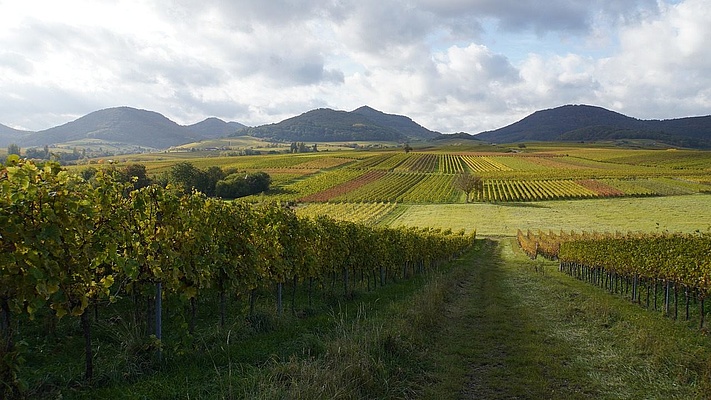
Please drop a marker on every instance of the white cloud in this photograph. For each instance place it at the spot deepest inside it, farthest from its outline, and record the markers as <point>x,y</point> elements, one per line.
<point>451,65</point>
<point>662,69</point>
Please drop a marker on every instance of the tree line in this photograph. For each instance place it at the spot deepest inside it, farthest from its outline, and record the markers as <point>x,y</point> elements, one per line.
<point>185,177</point>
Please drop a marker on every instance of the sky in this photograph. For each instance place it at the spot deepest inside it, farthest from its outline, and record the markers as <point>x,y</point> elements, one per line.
<point>450,65</point>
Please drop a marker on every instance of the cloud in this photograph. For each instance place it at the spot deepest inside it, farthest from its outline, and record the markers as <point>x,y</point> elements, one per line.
<point>451,65</point>
<point>572,16</point>
<point>662,68</point>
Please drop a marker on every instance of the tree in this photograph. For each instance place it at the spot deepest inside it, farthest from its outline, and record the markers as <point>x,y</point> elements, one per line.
<point>242,184</point>
<point>407,148</point>
<point>469,184</point>
<point>12,148</point>
<point>210,177</point>
<point>184,176</point>
<point>135,174</point>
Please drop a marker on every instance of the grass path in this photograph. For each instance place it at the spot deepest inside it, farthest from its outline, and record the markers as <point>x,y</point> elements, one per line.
<point>511,332</point>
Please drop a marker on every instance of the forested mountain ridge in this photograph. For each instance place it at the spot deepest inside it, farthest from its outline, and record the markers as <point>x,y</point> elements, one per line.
<point>325,124</point>
<point>591,123</point>
<point>135,127</point>
<point>125,125</point>
<point>10,135</point>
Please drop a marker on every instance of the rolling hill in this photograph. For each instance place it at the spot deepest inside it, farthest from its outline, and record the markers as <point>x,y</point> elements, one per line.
<point>327,125</point>
<point>148,129</point>
<point>590,123</point>
<point>9,135</point>
<point>128,126</point>
<point>213,128</point>
<point>121,124</point>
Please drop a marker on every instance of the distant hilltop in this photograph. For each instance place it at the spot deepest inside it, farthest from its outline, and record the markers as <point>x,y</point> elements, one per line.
<point>324,124</point>
<point>573,123</point>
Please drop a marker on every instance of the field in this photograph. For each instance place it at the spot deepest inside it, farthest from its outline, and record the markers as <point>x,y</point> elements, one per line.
<point>552,186</point>
<point>649,214</point>
<point>427,176</point>
<point>540,333</point>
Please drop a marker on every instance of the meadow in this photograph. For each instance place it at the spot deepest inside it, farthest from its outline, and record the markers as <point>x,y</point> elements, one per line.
<point>685,213</point>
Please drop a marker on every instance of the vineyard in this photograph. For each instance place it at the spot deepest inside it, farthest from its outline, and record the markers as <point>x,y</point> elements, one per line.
<point>429,178</point>
<point>544,174</point>
<point>654,270</point>
<point>101,283</point>
<point>364,213</point>
<point>95,252</point>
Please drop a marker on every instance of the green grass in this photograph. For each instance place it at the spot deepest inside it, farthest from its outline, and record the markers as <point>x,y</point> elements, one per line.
<point>485,326</point>
<point>649,214</point>
<point>510,331</point>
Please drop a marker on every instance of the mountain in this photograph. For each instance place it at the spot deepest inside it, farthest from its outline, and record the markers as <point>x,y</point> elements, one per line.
<point>591,123</point>
<point>400,123</point>
<point>212,128</point>
<point>458,135</point>
<point>549,125</point>
<point>10,135</point>
<point>120,124</point>
<point>325,124</point>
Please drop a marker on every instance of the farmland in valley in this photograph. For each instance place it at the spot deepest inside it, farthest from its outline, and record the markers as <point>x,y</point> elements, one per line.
<point>541,185</point>
<point>230,271</point>
<point>559,178</point>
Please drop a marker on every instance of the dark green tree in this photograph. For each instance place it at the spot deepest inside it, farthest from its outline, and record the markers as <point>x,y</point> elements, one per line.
<point>12,148</point>
<point>242,184</point>
<point>135,174</point>
<point>185,176</point>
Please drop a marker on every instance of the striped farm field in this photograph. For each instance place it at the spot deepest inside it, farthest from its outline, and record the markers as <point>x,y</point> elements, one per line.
<point>315,183</point>
<point>323,163</point>
<point>364,213</point>
<point>496,190</point>
<point>427,173</point>
<point>629,187</point>
<point>484,164</point>
<point>385,162</point>
<point>389,187</point>
<point>554,163</point>
<point>417,162</point>
<point>668,186</point>
<point>451,164</point>
<point>332,191</point>
<point>600,188</point>
<point>433,189</point>
<point>520,163</point>
<point>284,177</point>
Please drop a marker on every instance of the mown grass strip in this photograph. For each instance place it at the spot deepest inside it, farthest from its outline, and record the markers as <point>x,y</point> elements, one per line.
<point>512,332</point>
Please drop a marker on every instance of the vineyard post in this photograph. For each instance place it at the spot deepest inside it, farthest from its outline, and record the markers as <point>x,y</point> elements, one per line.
<point>666,297</point>
<point>88,361</point>
<point>647,287</point>
<point>280,306</point>
<point>159,319</point>
<point>703,315</point>
<point>676,301</point>
<point>295,281</point>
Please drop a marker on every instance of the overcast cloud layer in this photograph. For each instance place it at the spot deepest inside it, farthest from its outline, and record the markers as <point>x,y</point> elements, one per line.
<point>451,65</point>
